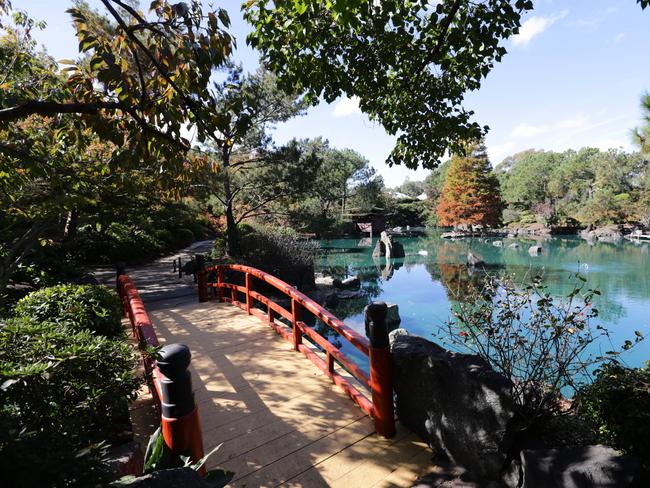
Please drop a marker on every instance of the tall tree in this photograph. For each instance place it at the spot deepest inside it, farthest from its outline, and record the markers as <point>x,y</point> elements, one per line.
<point>250,168</point>
<point>344,179</point>
<point>470,195</point>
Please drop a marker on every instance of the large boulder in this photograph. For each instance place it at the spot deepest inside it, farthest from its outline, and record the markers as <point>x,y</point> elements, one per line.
<point>351,282</point>
<point>455,402</point>
<point>474,259</point>
<point>579,467</point>
<point>388,248</point>
<point>322,280</point>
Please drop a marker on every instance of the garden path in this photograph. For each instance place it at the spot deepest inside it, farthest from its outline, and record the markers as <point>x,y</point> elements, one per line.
<point>159,286</point>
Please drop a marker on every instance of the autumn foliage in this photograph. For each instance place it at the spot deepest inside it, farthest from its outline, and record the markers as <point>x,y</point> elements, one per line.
<point>470,195</point>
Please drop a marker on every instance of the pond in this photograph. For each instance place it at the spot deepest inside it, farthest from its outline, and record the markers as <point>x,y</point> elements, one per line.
<point>433,275</point>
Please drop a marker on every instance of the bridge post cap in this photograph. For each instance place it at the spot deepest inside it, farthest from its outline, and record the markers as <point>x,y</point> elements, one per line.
<point>377,311</point>
<point>173,359</point>
<point>376,329</point>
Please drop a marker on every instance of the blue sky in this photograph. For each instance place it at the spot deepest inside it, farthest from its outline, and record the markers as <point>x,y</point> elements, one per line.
<point>572,78</point>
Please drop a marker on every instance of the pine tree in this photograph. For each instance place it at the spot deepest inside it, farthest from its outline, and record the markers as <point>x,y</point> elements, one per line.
<point>471,194</point>
<point>641,135</point>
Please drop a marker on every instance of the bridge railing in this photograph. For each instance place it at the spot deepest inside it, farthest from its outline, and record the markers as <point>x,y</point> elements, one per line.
<point>379,382</point>
<point>167,375</point>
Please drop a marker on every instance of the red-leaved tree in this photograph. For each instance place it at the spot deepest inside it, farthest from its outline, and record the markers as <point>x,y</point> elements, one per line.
<point>471,194</point>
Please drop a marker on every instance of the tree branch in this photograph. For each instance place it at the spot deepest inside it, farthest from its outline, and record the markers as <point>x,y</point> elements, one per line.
<point>52,108</point>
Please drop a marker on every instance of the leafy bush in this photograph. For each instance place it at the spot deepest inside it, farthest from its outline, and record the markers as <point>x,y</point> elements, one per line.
<point>118,242</point>
<point>219,247</point>
<point>84,307</point>
<point>281,253</point>
<point>183,237</point>
<point>539,342</point>
<point>198,230</point>
<point>165,236</point>
<point>617,403</point>
<point>60,389</point>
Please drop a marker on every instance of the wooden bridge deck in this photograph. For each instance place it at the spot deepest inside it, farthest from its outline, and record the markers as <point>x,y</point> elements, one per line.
<point>281,421</point>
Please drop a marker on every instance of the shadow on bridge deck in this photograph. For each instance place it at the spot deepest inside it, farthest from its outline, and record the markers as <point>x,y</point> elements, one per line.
<point>281,421</point>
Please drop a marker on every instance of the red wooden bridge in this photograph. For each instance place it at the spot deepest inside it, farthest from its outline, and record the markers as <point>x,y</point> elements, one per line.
<point>280,420</point>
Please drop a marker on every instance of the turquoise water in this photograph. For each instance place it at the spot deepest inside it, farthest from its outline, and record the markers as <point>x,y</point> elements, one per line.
<point>426,286</point>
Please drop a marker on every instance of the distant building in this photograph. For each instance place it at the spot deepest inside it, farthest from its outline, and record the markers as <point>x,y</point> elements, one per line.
<point>372,222</point>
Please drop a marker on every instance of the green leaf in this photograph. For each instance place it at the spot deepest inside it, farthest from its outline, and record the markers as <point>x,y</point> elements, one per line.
<point>155,452</point>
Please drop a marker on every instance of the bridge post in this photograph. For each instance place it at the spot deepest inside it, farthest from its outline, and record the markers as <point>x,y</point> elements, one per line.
<point>295,318</point>
<point>120,270</point>
<point>220,279</point>
<point>201,279</point>
<point>248,293</point>
<point>181,428</point>
<point>381,382</point>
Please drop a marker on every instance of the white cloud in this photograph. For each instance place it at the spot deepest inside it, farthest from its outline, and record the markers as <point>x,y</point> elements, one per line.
<point>498,152</point>
<point>534,26</point>
<point>619,37</point>
<point>346,107</point>
<point>526,130</point>
<point>589,24</point>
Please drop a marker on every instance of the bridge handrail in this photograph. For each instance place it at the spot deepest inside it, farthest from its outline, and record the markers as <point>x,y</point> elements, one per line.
<point>356,339</point>
<point>178,412</point>
<point>142,329</point>
<point>380,387</point>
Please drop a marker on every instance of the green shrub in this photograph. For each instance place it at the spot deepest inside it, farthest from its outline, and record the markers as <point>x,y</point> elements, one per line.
<point>60,391</point>
<point>281,253</point>
<point>617,403</point>
<point>89,307</point>
<point>115,243</point>
<point>198,230</point>
<point>539,342</point>
<point>165,236</point>
<point>219,247</point>
<point>183,237</point>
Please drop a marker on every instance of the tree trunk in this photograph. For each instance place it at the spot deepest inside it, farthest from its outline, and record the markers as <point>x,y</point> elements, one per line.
<point>71,222</point>
<point>232,233</point>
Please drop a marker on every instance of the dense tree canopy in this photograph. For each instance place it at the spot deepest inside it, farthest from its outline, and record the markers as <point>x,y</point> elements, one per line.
<point>344,181</point>
<point>585,187</point>
<point>410,63</point>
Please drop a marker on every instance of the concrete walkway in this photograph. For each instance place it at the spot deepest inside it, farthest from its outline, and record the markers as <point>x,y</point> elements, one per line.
<point>158,284</point>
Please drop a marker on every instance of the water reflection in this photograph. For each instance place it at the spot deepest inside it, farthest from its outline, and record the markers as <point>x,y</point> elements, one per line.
<point>433,276</point>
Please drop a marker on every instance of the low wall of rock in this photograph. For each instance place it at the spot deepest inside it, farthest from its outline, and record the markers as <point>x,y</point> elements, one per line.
<point>465,411</point>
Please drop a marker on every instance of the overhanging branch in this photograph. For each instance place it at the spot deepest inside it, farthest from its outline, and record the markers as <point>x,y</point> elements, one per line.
<point>53,108</point>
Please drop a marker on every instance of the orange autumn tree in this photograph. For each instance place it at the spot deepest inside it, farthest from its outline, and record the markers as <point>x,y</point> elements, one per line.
<point>471,194</point>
